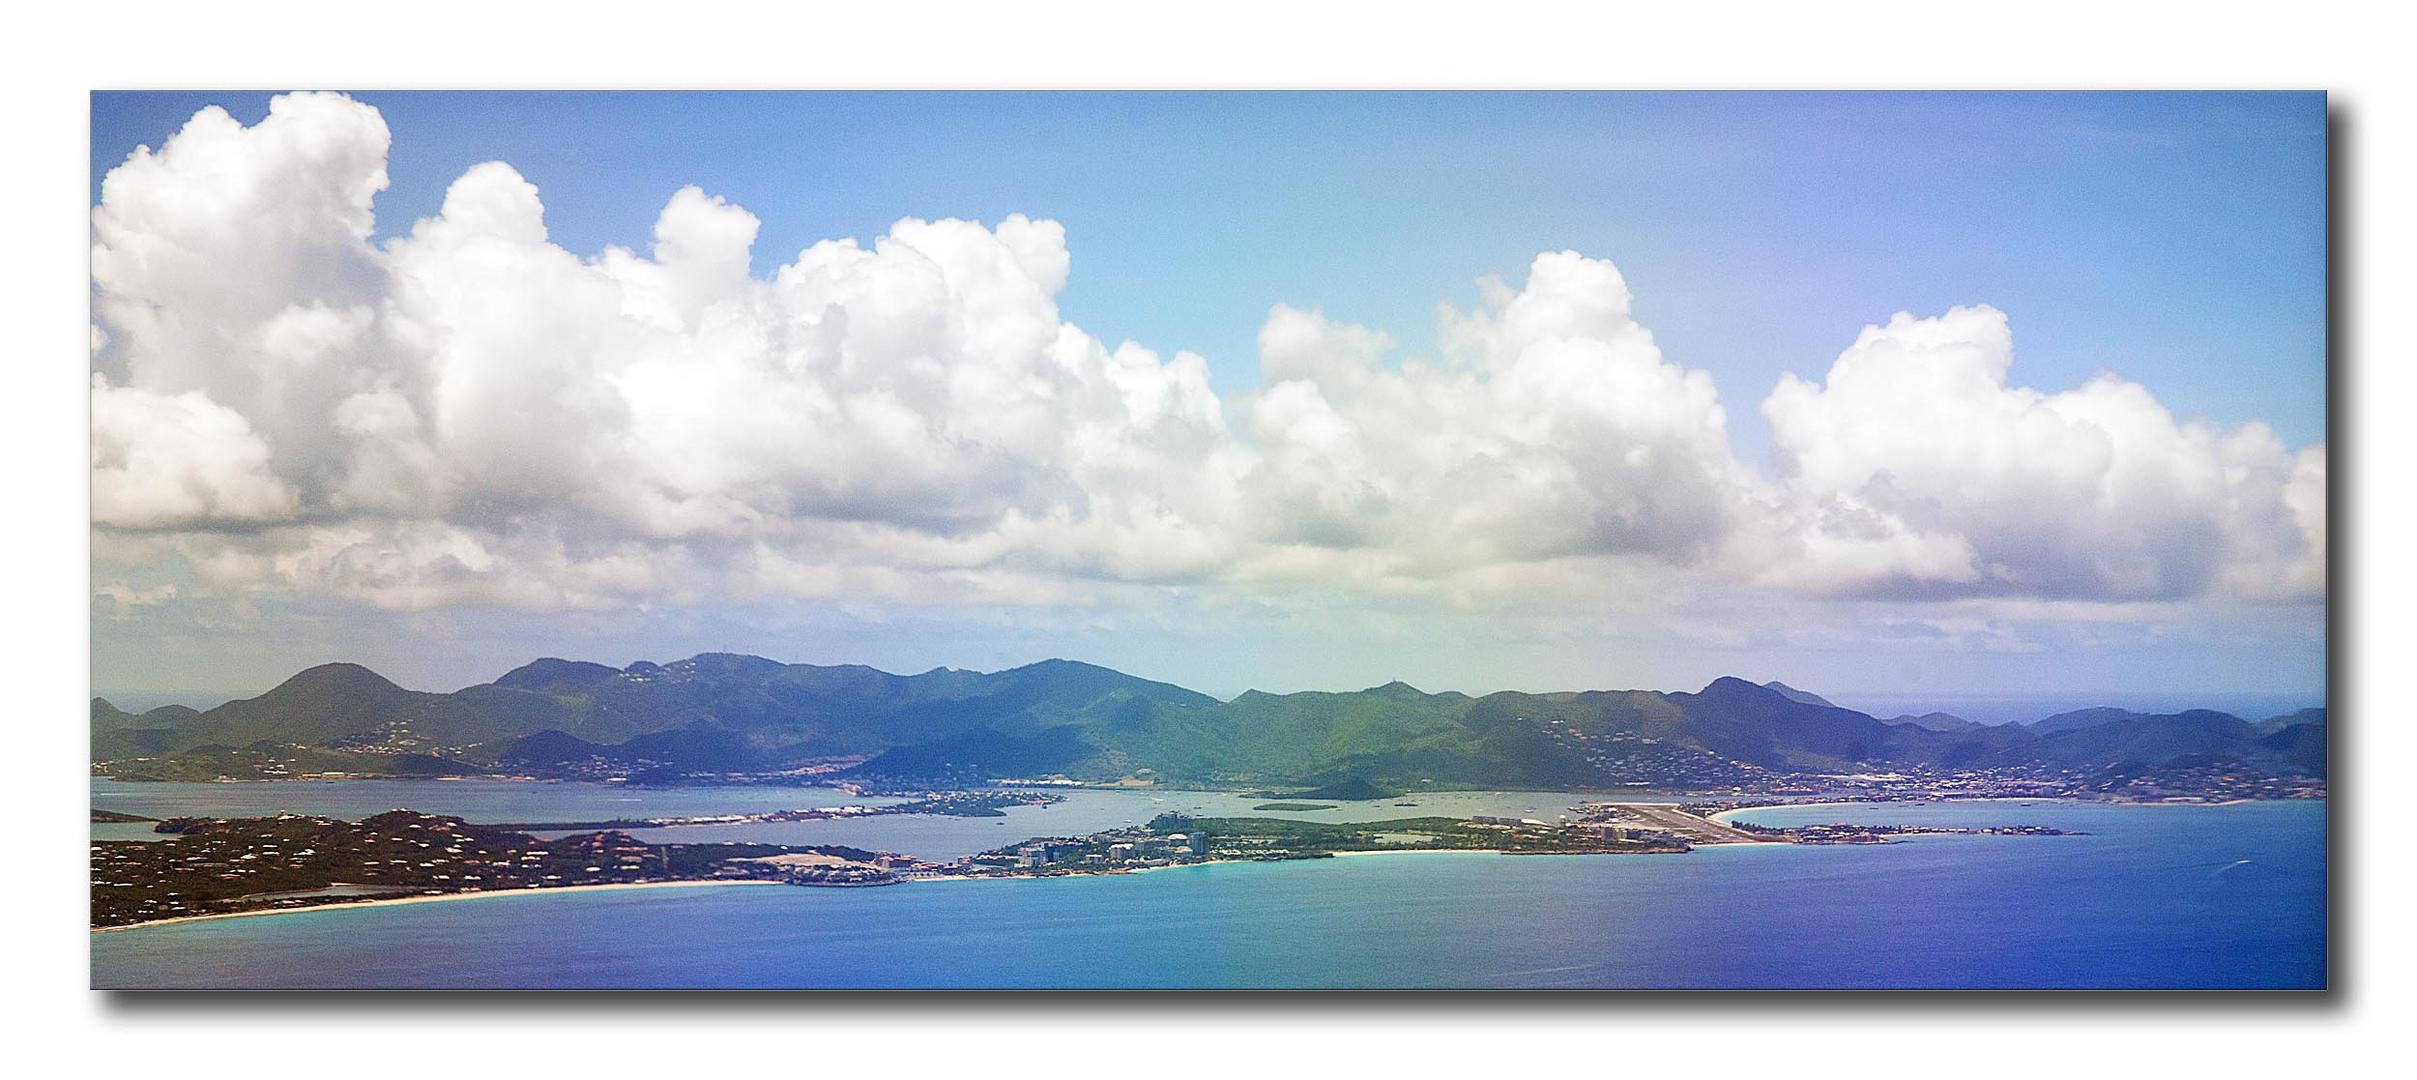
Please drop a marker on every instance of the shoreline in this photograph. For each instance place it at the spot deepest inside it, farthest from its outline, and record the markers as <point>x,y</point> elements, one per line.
<point>1443,851</point>
<point>398,901</point>
<point>1310,859</point>
<point>1722,816</point>
<point>476,894</point>
<point>1210,862</point>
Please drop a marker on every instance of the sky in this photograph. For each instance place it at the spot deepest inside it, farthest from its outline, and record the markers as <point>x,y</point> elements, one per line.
<point>1948,394</point>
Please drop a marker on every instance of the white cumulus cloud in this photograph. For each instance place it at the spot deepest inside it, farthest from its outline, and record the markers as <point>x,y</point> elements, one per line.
<point>1915,469</point>
<point>1552,427</point>
<point>164,460</point>
<point>468,413</point>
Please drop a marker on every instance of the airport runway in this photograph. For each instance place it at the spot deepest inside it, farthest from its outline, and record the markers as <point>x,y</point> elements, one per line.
<point>1688,827</point>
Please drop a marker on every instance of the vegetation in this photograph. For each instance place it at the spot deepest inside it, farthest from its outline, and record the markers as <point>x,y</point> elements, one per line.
<point>1174,840</point>
<point>1404,834</point>
<point>215,866</point>
<point>718,715</point>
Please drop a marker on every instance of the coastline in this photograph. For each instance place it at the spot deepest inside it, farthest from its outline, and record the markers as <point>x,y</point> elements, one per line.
<point>1201,863</point>
<point>1445,851</point>
<point>397,901</point>
<point>477,894</point>
<point>1722,817</point>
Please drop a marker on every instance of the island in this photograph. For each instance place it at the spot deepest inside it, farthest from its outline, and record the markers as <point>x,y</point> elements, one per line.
<point>218,867</point>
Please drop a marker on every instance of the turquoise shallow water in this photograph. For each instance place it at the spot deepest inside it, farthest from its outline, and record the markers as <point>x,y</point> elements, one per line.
<point>2154,897</point>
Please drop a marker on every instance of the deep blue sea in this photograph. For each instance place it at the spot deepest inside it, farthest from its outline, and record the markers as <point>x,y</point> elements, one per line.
<point>2153,897</point>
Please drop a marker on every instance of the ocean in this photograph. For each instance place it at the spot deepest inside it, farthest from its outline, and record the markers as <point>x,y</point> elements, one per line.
<point>2152,897</point>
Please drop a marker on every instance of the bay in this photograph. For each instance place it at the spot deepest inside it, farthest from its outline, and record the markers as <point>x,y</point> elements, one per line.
<point>2151,897</point>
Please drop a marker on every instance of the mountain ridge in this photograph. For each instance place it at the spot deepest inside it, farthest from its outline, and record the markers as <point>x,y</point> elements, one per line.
<point>719,713</point>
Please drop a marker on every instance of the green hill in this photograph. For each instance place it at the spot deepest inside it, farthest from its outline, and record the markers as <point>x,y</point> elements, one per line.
<point>726,713</point>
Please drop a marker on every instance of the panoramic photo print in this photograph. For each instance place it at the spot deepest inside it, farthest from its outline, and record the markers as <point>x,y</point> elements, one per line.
<point>1208,540</point>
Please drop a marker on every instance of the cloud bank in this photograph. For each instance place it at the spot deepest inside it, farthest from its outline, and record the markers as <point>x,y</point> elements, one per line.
<point>468,414</point>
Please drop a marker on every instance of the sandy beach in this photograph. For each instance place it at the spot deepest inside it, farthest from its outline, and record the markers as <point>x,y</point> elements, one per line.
<point>1195,865</point>
<point>1723,816</point>
<point>2169,802</point>
<point>396,901</point>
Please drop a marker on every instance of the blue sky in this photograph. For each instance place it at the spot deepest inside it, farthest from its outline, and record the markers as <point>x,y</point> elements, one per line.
<point>2176,240</point>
